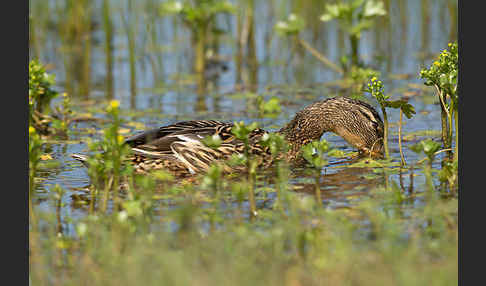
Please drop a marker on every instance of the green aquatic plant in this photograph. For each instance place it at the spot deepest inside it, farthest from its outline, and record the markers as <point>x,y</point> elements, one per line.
<point>270,108</point>
<point>46,119</point>
<point>242,131</point>
<point>106,167</point>
<point>430,148</point>
<point>293,25</point>
<point>358,77</point>
<point>63,115</point>
<point>40,91</point>
<point>314,153</point>
<point>300,244</point>
<point>35,152</point>
<point>278,145</point>
<point>449,173</point>
<point>377,90</point>
<point>442,74</point>
<point>198,16</point>
<point>354,17</point>
<point>41,94</point>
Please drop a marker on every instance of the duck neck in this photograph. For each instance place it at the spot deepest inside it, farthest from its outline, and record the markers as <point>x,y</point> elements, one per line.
<point>307,126</point>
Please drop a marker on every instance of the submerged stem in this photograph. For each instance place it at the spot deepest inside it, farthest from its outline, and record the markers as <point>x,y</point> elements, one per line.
<point>317,187</point>
<point>385,133</point>
<point>444,114</point>
<point>251,182</point>
<point>400,139</point>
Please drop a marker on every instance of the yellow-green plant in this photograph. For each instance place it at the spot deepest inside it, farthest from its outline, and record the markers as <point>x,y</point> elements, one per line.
<point>270,108</point>
<point>107,166</point>
<point>40,96</point>
<point>42,116</point>
<point>377,90</point>
<point>359,76</point>
<point>442,74</point>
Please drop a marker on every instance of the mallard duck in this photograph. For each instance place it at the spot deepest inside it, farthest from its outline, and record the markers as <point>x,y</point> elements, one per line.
<point>179,147</point>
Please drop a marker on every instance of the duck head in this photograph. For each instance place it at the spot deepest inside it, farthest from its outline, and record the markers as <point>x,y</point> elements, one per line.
<point>355,121</point>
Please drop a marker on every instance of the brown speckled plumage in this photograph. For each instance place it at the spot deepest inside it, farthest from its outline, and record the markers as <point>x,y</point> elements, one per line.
<point>355,121</point>
<point>179,149</point>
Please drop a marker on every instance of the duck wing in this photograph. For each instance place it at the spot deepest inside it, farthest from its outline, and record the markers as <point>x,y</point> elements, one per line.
<point>184,141</point>
<point>184,127</point>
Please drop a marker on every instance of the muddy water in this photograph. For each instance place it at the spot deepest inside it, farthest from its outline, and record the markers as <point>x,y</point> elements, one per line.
<point>166,91</point>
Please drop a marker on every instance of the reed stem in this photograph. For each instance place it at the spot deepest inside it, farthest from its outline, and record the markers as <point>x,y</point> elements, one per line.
<point>251,181</point>
<point>317,188</point>
<point>400,139</point>
<point>354,40</point>
<point>320,56</point>
<point>108,27</point>
<point>385,133</point>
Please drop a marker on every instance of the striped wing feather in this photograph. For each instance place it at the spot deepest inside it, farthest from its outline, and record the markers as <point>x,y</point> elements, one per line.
<point>183,142</point>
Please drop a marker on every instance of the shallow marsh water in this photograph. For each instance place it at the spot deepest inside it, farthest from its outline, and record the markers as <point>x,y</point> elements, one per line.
<point>166,92</point>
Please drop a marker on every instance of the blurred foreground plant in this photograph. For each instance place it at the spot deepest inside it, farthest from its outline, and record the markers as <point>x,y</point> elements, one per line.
<point>35,152</point>
<point>106,167</point>
<point>277,146</point>
<point>314,153</point>
<point>41,116</point>
<point>242,132</point>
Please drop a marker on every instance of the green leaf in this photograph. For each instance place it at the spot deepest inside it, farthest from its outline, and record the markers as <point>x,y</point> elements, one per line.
<point>417,148</point>
<point>292,26</point>
<point>171,7</point>
<point>332,11</point>
<point>373,9</point>
<point>406,107</point>
<point>241,131</point>
<point>272,106</point>
<point>213,141</point>
<point>326,17</point>
<point>430,147</point>
<point>362,25</point>
<point>314,151</point>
